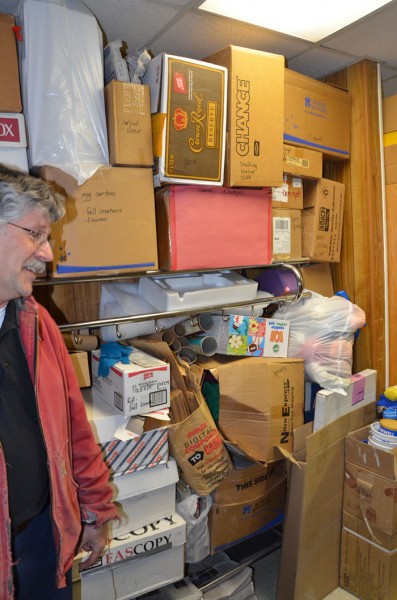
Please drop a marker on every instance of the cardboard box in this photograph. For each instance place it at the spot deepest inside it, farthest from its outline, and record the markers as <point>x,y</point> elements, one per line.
<point>287,234</point>
<point>188,103</point>
<point>370,485</point>
<point>310,553</point>
<point>250,500</point>
<point>13,139</point>
<point>139,387</point>
<point>81,366</point>
<point>202,227</point>
<point>136,562</point>
<point>243,335</point>
<point>103,215</point>
<point>302,162</point>
<point>322,220</point>
<point>255,116</point>
<point>129,124</point>
<point>10,93</point>
<point>122,451</point>
<point>261,401</point>
<point>330,405</point>
<point>390,155</point>
<point>318,278</point>
<point>144,497</point>
<point>289,194</point>
<point>317,115</point>
<point>367,570</point>
<point>390,114</point>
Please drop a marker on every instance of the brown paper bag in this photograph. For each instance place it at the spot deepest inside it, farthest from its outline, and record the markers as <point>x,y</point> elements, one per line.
<point>198,448</point>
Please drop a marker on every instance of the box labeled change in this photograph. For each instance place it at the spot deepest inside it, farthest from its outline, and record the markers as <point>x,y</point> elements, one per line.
<point>139,387</point>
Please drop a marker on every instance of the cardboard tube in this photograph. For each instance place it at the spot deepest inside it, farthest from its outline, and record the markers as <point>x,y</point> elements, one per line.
<point>75,341</point>
<point>203,344</point>
<point>196,324</point>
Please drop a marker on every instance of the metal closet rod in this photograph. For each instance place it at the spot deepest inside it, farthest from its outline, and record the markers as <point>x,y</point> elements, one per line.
<point>287,298</point>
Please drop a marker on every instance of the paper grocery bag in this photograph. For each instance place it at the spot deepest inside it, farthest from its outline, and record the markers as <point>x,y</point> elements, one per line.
<point>198,448</point>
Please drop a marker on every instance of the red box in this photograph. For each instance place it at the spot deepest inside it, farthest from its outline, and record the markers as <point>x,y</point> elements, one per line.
<point>205,227</point>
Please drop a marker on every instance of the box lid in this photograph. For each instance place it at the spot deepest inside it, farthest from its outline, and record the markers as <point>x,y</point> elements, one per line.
<point>146,480</point>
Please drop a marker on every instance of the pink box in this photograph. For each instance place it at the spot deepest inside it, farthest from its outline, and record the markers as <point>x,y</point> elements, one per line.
<point>205,227</point>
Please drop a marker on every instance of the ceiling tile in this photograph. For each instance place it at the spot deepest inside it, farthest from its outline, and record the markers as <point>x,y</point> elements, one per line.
<point>320,62</point>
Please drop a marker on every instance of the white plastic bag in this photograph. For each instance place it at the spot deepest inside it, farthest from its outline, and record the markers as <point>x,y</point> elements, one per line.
<point>62,84</point>
<point>194,509</point>
<point>322,333</point>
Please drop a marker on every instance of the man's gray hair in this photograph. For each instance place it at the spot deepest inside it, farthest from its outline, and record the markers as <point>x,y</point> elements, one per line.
<point>21,193</point>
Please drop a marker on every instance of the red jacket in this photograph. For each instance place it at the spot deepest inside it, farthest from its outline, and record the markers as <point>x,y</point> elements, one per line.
<point>78,476</point>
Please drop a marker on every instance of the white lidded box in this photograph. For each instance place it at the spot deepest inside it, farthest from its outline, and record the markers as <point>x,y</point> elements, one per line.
<point>144,496</point>
<point>137,562</point>
<point>197,290</point>
<point>139,387</point>
<point>123,455</point>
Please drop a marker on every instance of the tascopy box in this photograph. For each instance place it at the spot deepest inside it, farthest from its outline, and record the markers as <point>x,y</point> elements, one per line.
<point>139,387</point>
<point>188,104</point>
<point>213,227</point>
<point>137,562</point>
<point>103,215</point>
<point>255,113</point>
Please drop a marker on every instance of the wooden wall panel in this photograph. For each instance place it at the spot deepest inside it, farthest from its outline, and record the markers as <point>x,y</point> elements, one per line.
<point>391,217</point>
<point>361,270</point>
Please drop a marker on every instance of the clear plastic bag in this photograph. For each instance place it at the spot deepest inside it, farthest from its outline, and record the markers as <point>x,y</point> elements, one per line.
<point>62,84</point>
<point>194,509</point>
<point>322,332</point>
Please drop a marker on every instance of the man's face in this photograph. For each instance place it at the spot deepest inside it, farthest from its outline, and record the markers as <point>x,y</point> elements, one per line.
<point>21,256</point>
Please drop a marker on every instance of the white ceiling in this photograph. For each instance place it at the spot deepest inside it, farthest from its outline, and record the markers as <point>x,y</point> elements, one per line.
<point>178,27</point>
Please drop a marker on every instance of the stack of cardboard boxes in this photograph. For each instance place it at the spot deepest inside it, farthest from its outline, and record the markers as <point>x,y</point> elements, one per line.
<point>123,412</point>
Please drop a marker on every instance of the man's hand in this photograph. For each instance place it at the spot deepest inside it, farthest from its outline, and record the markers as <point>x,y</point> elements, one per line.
<point>93,540</point>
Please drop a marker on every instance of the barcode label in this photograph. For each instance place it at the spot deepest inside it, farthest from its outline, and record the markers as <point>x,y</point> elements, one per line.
<point>281,224</point>
<point>118,401</point>
<point>158,398</point>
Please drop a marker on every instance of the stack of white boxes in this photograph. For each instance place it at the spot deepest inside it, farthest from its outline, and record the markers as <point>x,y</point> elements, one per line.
<point>143,477</point>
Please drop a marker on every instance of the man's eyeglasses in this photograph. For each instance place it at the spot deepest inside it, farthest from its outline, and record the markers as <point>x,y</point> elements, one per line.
<point>39,237</point>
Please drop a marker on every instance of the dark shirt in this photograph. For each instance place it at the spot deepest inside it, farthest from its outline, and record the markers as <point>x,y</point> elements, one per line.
<point>20,433</point>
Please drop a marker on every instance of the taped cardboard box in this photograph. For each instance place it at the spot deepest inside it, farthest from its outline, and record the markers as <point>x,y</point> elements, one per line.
<point>255,114</point>
<point>370,487</point>
<point>102,216</point>
<point>289,194</point>
<point>188,104</point>
<point>287,233</point>
<point>322,220</point>
<point>302,162</point>
<point>261,401</point>
<point>236,231</point>
<point>129,124</point>
<point>10,92</point>
<point>310,553</point>
<point>317,115</point>
<point>81,367</point>
<point>367,570</point>
<point>250,500</point>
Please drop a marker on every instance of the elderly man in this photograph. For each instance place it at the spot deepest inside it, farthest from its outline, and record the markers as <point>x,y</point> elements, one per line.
<point>55,496</point>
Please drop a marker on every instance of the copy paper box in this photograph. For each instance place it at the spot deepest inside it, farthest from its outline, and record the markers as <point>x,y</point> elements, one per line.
<point>287,233</point>
<point>322,220</point>
<point>139,387</point>
<point>137,562</point>
<point>367,570</point>
<point>188,104</point>
<point>310,552</point>
<point>289,194</point>
<point>13,140</point>
<point>129,124</point>
<point>261,401</point>
<point>103,216</point>
<point>317,115</point>
<point>302,162</point>
<point>370,484</point>
<point>249,500</point>
<point>122,454</point>
<point>254,116</point>
<point>236,229</point>
<point>144,496</point>
<point>10,93</point>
